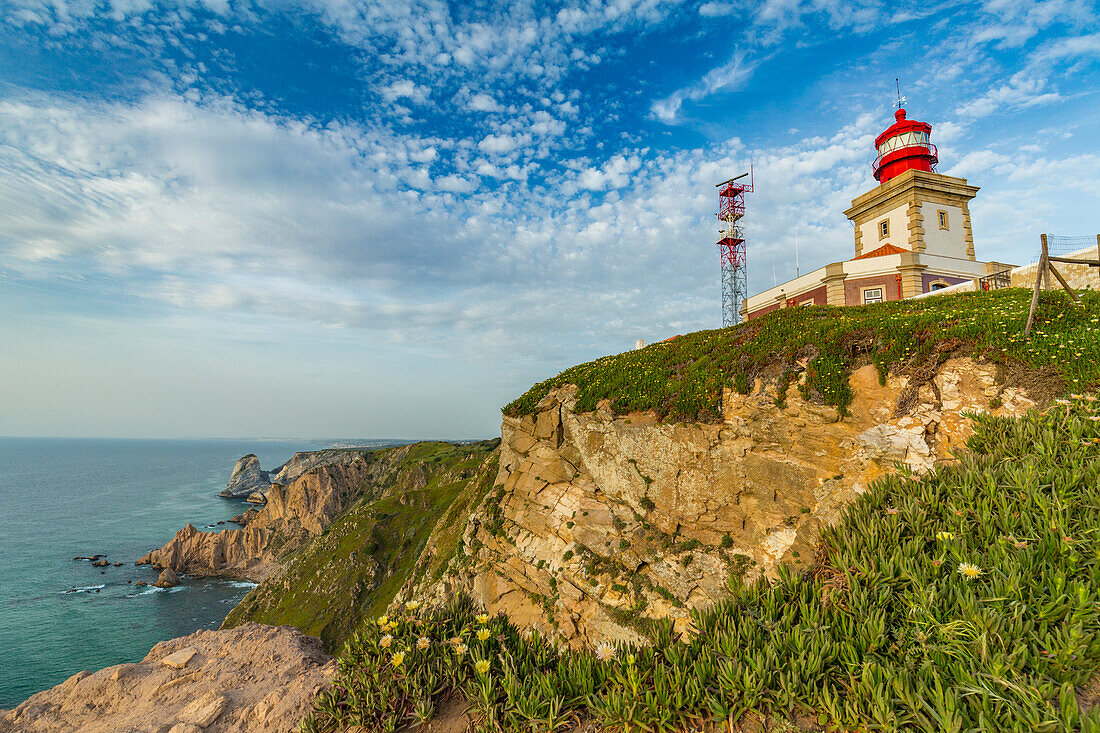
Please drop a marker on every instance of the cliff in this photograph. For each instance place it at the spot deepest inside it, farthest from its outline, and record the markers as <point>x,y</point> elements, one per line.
<point>254,679</point>
<point>602,521</point>
<point>405,524</point>
<point>292,515</point>
<point>247,477</point>
<point>249,480</point>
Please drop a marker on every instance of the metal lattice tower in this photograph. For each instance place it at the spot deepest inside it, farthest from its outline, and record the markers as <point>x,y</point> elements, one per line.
<point>731,245</point>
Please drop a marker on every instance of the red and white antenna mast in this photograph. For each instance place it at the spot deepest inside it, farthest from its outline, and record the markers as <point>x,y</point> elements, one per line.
<point>731,246</point>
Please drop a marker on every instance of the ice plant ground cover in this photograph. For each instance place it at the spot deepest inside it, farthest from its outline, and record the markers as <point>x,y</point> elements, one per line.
<point>967,599</point>
<point>682,379</point>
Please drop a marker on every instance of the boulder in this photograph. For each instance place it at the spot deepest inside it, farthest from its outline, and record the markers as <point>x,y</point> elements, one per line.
<point>167,579</point>
<point>251,679</point>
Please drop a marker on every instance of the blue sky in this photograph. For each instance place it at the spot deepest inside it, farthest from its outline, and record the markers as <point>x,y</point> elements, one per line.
<point>354,218</point>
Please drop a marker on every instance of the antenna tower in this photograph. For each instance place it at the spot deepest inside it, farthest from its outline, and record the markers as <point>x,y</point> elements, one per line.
<point>731,245</point>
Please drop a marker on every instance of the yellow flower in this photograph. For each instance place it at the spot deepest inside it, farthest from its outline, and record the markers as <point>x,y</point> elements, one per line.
<point>412,605</point>
<point>630,659</point>
<point>945,536</point>
<point>483,618</point>
<point>969,570</point>
<point>482,634</point>
<point>383,620</point>
<point>423,642</point>
<point>398,659</point>
<point>482,666</point>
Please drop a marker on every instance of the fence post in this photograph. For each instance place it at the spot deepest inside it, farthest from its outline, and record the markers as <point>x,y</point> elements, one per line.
<point>1038,282</point>
<point>1046,270</point>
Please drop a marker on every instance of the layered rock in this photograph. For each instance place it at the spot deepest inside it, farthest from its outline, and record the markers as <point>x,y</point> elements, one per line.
<point>599,520</point>
<point>247,477</point>
<point>252,679</point>
<point>249,481</point>
<point>404,530</point>
<point>292,514</point>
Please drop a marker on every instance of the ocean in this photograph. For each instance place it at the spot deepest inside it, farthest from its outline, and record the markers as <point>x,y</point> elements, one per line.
<point>60,498</point>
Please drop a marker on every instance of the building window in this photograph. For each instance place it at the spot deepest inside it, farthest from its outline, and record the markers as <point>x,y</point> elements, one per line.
<point>884,229</point>
<point>939,285</point>
<point>809,301</point>
<point>872,295</point>
<point>943,220</point>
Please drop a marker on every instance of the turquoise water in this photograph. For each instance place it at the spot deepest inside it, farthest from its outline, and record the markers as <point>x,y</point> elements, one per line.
<point>120,498</point>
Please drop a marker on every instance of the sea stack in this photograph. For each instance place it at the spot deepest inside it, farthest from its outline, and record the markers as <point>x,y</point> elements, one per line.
<point>247,478</point>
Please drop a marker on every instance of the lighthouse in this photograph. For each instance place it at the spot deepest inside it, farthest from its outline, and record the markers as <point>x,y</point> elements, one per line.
<point>912,232</point>
<point>913,208</point>
<point>905,145</point>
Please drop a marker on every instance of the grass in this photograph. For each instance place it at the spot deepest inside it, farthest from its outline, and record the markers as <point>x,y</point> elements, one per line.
<point>353,570</point>
<point>682,380</point>
<point>887,631</point>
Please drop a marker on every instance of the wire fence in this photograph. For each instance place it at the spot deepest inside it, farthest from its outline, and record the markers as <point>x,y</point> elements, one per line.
<point>1059,245</point>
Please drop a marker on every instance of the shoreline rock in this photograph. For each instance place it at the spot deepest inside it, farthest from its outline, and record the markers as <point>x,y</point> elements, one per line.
<point>291,515</point>
<point>167,579</point>
<point>250,679</point>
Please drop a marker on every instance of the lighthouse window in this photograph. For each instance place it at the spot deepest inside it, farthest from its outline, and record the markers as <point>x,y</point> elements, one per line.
<point>872,295</point>
<point>884,229</point>
<point>943,220</point>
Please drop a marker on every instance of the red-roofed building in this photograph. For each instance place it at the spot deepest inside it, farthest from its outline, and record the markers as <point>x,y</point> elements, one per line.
<point>912,233</point>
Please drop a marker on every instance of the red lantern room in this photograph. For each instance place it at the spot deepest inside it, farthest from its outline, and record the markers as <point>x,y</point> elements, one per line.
<point>904,146</point>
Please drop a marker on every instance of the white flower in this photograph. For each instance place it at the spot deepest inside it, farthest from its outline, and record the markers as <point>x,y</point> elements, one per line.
<point>385,641</point>
<point>423,642</point>
<point>605,652</point>
<point>969,571</point>
<point>412,605</point>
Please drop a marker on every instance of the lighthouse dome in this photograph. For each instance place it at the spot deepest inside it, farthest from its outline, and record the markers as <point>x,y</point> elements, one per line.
<point>905,145</point>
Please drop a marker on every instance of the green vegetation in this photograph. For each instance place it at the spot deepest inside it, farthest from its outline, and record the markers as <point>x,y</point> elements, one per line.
<point>968,599</point>
<point>353,570</point>
<point>682,380</point>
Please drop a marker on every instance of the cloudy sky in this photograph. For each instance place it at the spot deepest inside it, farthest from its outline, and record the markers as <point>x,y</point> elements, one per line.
<point>356,218</point>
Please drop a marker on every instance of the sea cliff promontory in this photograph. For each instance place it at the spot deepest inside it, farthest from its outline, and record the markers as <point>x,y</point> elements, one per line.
<point>824,518</point>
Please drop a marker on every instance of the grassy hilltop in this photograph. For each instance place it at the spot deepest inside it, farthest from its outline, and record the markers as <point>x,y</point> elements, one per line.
<point>967,599</point>
<point>682,379</point>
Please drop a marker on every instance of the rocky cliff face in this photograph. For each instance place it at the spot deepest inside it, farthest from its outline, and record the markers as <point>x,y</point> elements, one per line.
<point>600,520</point>
<point>253,679</point>
<point>247,477</point>
<point>403,528</point>
<point>292,515</point>
<point>249,480</point>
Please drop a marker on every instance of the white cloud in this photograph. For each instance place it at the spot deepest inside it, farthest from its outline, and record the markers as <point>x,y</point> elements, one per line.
<point>729,77</point>
<point>716,9</point>
<point>406,89</point>
<point>483,103</point>
<point>454,184</point>
<point>501,144</point>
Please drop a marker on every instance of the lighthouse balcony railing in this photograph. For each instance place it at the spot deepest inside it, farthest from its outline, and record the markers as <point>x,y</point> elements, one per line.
<point>929,147</point>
